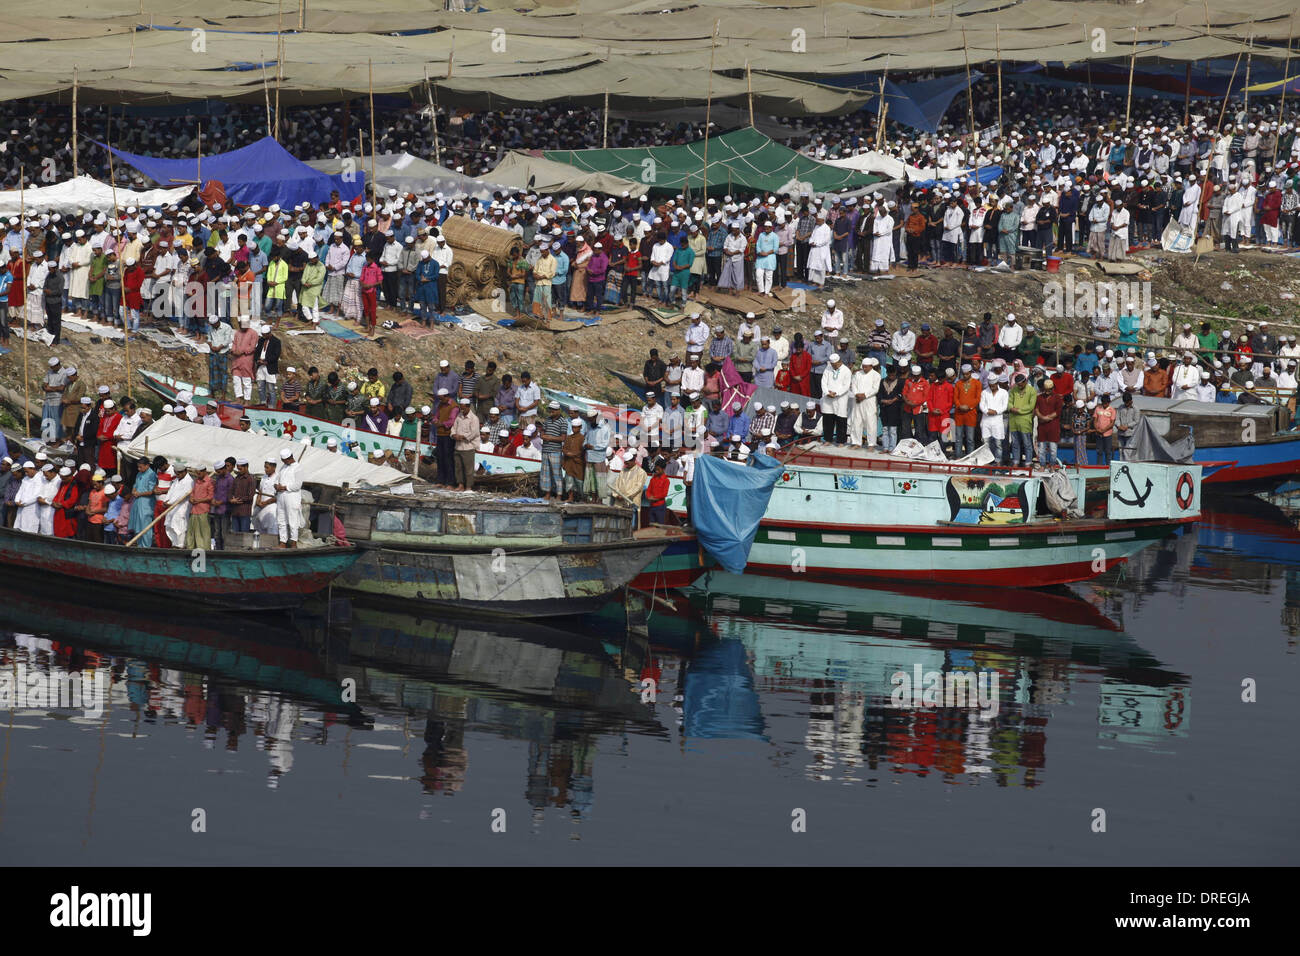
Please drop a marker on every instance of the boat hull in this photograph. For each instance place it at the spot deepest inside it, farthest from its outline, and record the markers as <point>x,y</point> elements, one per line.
<point>983,555</point>
<point>678,567</point>
<point>262,580</point>
<point>1255,467</point>
<point>545,582</point>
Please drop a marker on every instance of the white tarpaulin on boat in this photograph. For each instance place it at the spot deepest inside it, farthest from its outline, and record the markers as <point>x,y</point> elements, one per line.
<point>179,440</point>
<point>83,193</point>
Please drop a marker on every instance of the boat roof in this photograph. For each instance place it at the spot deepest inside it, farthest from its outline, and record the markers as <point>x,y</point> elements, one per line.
<point>471,500</point>
<point>1191,407</point>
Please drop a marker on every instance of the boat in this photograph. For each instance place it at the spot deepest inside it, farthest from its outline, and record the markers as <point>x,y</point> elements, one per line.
<point>682,561</point>
<point>255,579</point>
<point>1244,449</point>
<point>839,513</point>
<point>359,442</point>
<point>481,554</point>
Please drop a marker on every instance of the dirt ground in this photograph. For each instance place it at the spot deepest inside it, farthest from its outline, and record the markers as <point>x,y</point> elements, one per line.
<point>1251,285</point>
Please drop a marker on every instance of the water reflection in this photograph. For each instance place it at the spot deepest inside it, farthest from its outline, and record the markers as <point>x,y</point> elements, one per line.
<point>839,649</point>
<point>795,677</point>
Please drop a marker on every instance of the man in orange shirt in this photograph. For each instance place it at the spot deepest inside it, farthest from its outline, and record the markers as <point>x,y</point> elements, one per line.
<point>916,394</point>
<point>198,534</point>
<point>1103,420</point>
<point>656,497</point>
<point>966,412</point>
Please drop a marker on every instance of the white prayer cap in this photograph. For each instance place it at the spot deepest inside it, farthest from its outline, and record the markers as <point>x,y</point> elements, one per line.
<point>835,356</point>
<point>374,402</point>
<point>64,472</point>
<point>110,489</point>
<point>286,454</point>
<point>916,370</point>
<point>332,443</point>
<point>108,403</point>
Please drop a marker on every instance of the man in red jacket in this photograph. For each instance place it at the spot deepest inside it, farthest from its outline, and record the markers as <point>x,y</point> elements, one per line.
<point>132,280</point>
<point>916,395</point>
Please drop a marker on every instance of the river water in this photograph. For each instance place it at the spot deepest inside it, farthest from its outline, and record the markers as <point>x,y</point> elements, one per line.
<point>753,720</point>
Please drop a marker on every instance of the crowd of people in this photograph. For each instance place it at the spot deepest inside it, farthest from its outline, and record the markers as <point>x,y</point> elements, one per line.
<point>1070,180</point>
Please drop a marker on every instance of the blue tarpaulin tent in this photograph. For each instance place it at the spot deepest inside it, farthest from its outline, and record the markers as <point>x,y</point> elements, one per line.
<point>728,501</point>
<point>920,105</point>
<point>263,173</point>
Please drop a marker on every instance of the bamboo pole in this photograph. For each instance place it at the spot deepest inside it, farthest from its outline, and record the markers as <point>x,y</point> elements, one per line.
<point>1245,90</point>
<point>880,115</point>
<point>266,93</point>
<point>198,161</point>
<point>76,169</point>
<point>1217,128</point>
<point>604,124</point>
<point>373,189</point>
<point>1132,62</point>
<point>997,41</point>
<point>1286,80</point>
<point>433,118</point>
<point>302,13</point>
<point>279,62</point>
<point>126,330</point>
<point>708,105</point>
<point>22,228</point>
<point>970,94</point>
<point>749,83</point>
<point>170,507</point>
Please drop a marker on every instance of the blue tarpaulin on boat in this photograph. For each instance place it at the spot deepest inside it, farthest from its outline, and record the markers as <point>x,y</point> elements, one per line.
<point>728,499</point>
<point>262,172</point>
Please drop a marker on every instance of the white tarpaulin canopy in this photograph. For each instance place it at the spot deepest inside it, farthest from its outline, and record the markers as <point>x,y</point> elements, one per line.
<point>886,165</point>
<point>410,174</point>
<point>179,440</point>
<point>84,193</point>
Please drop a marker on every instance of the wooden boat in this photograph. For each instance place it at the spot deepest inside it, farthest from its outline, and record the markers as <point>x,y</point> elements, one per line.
<point>245,580</point>
<point>296,426</point>
<point>1244,448</point>
<point>682,561</point>
<point>834,515</point>
<point>487,555</point>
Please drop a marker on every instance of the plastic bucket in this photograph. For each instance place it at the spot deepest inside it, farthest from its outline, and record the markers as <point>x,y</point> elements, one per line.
<point>1053,263</point>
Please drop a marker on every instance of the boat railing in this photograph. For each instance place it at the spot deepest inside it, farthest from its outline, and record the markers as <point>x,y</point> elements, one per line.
<point>914,465</point>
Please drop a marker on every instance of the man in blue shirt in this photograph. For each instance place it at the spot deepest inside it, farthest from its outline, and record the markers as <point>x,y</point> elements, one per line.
<point>765,362</point>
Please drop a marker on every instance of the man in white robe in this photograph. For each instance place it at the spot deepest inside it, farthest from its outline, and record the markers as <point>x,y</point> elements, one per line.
<point>837,381</point>
<point>1190,212</point>
<point>882,240</point>
<point>177,521</point>
<point>48,488</point>
<point>288,500</point>
<point>29,514</point>
<point>819,252</point>
<point>264,502</point>
<point>865,417</point>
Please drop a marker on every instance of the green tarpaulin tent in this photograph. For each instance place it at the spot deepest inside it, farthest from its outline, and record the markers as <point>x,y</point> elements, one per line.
<point>741,159</point>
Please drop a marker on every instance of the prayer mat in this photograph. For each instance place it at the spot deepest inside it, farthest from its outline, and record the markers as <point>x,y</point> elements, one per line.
<point>665,316</point>
<point>414,329</point>
<point>340,331</point>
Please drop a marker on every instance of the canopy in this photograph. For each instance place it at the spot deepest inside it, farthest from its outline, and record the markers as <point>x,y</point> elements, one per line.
<point>179,440</point>
<point>745,158</point>
<point>523,171</point>
<point>728,500</point>
<point>263,172</point>
<point>639,54</point>
<point>84,193</point>
<point>410,174</point>
<point>892,168</point>
<point>921,105</point>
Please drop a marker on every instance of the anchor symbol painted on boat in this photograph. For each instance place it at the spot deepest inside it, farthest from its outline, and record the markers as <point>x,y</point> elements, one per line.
<point>1139,499</point>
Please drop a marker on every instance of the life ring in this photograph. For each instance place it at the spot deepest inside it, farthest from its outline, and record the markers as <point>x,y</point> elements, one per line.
<point>1185,492</point>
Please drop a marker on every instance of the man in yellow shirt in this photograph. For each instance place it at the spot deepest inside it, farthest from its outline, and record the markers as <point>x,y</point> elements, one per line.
<point>372,387</point>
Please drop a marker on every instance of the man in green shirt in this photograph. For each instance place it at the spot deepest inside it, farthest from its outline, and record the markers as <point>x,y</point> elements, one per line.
<point>1030,347</point>
<point>1130,324</point>
<point>1020,420</point>
<point>1209,340</point>
<point>742,355</point>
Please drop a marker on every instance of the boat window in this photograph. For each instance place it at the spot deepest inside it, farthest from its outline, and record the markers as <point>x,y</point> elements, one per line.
<point>391,520</point>
<point>505,522</point>
<point>426,521</point>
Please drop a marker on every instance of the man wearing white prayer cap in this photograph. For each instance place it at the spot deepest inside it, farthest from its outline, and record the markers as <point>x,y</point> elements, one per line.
<point>288,499</point>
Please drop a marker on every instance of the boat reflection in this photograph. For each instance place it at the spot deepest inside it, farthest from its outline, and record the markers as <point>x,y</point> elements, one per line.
<point>295,680</point>
<point>839,648</point>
